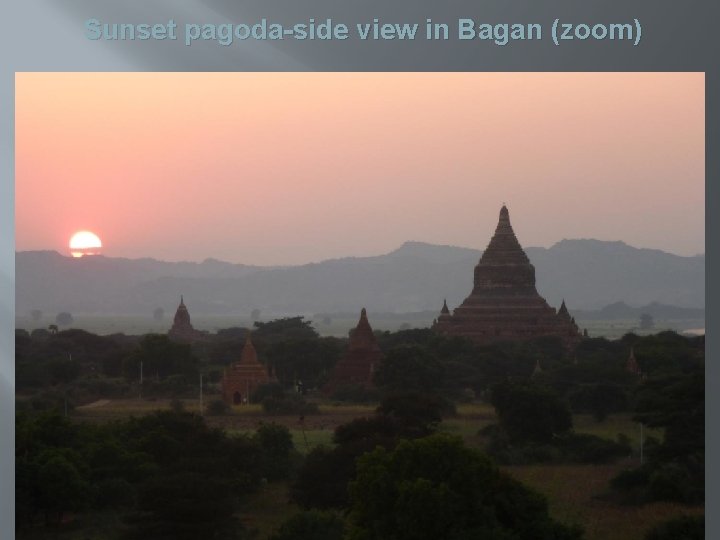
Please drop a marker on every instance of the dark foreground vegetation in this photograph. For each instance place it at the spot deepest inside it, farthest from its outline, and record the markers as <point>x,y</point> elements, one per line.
<point>391,472</point>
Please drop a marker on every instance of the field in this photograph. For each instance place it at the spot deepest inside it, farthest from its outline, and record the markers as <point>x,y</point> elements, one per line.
<point>577,494</point>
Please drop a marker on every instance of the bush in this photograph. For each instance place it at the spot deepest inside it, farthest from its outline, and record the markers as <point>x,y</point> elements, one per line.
<point>674,482</point>
<point>217,407</point>
<point>323,478</point>
<point>177,406</point>
<point>631,479</point>
<point>530,413</point>
<point>311,525</point>
<point>274,390</point>
<point>114,492</point>
<point>355,393</point>
<point>288,404</point>
<point>277,450</point>
<point>679,528</point>
<point>583,448</point>
<point>418,413</point>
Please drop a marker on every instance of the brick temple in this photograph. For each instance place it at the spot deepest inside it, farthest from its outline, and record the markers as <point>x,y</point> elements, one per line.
<point>242,378</point>
<point>363,355</point>
<point>182,330</point>
<point>504,304</point>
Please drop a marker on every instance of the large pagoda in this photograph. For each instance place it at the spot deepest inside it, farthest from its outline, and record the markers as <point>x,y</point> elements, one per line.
<point>504,304</point>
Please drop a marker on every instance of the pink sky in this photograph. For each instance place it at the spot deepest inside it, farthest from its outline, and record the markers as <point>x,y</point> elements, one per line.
<point>288,168</point>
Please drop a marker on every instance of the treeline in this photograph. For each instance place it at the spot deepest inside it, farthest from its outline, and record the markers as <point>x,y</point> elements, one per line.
<point>74,366</point>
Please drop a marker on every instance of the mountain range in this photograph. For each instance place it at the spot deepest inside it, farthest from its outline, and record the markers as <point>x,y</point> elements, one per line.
<point>588,274</point>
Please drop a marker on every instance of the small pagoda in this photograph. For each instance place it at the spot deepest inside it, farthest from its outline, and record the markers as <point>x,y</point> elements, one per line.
<point>363,355</point>
<point>242,378</point>
<point>182,330</point>
<point>504,304</point>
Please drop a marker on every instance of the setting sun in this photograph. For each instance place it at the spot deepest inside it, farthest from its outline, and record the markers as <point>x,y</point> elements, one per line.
<point>85,243</point>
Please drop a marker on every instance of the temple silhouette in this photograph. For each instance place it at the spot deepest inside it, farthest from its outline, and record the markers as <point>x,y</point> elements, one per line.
<point>504,304</point>
<point>182,329</point>
<point>363,355</point>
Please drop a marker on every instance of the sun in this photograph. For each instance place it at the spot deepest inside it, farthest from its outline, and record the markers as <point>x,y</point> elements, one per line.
<point>85,243</point>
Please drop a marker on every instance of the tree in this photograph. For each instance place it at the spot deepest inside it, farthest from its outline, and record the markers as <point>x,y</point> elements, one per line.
<point>285,328</point>
<point>311,525</point>
<point>187,505</point>
<point>530,413</point>
<point>675,469</point>
<point>409,367</point>
<point>217,407</point>
<point>158,314</point>
<point>61,487</point>
<point>161,357</point>
<point>323,478</point>
<point>600,399</point>
<point>418,413</point>
<point>64,318</point>
<point>437,488</point>
<point>277,450</point>
<point>647,322</point>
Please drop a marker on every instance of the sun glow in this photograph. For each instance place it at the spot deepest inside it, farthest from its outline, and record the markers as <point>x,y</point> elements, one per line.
<point>85,243</point>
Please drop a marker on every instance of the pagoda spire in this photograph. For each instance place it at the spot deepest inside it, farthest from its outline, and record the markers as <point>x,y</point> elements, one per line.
<point>632,364</point>
<point>445,310</point>
<point>248,355</point>
<point>537,370</point>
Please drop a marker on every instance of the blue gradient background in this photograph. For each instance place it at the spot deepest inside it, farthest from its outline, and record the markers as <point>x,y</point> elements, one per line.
<point>44,35</point>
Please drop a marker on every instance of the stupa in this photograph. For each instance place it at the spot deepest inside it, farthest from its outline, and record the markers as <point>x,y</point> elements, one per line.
<point>242,378</point>
<point>504,304</point>
<point>363,355</point>
<point>182,330</point>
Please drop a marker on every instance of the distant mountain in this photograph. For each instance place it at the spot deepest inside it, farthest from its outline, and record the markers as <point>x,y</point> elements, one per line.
<point>620,310</point>
<point>588,274</point>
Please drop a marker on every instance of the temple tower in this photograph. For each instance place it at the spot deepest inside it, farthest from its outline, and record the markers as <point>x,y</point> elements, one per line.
<point>242,378</point>
<point>182,330</point>
<point>504,303</point>
<point>359,363</point>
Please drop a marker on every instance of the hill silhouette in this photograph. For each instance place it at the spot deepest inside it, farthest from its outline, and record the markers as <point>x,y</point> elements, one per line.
<point>588,274</point>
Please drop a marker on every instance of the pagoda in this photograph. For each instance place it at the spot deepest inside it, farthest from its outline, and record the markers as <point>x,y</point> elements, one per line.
<point>363,355</point>
<point>182,330</point>
<point>242,378</point>
<point>504,304</point>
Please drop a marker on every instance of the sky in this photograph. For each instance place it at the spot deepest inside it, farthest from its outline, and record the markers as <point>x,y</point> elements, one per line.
<point>290,168</point>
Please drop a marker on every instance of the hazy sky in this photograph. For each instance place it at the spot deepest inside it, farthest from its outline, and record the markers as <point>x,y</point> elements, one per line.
<point>296,167</point>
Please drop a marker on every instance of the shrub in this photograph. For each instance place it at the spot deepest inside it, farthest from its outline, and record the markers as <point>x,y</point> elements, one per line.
<point>311,525</point>
<point>355,393</point>
<point>679,528</point>
<point>288,404</point>
<point>217,407</point>
<point>274,390</point>
<point>583,448</point>
<point>277,450</point>
<point>530,413</point>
